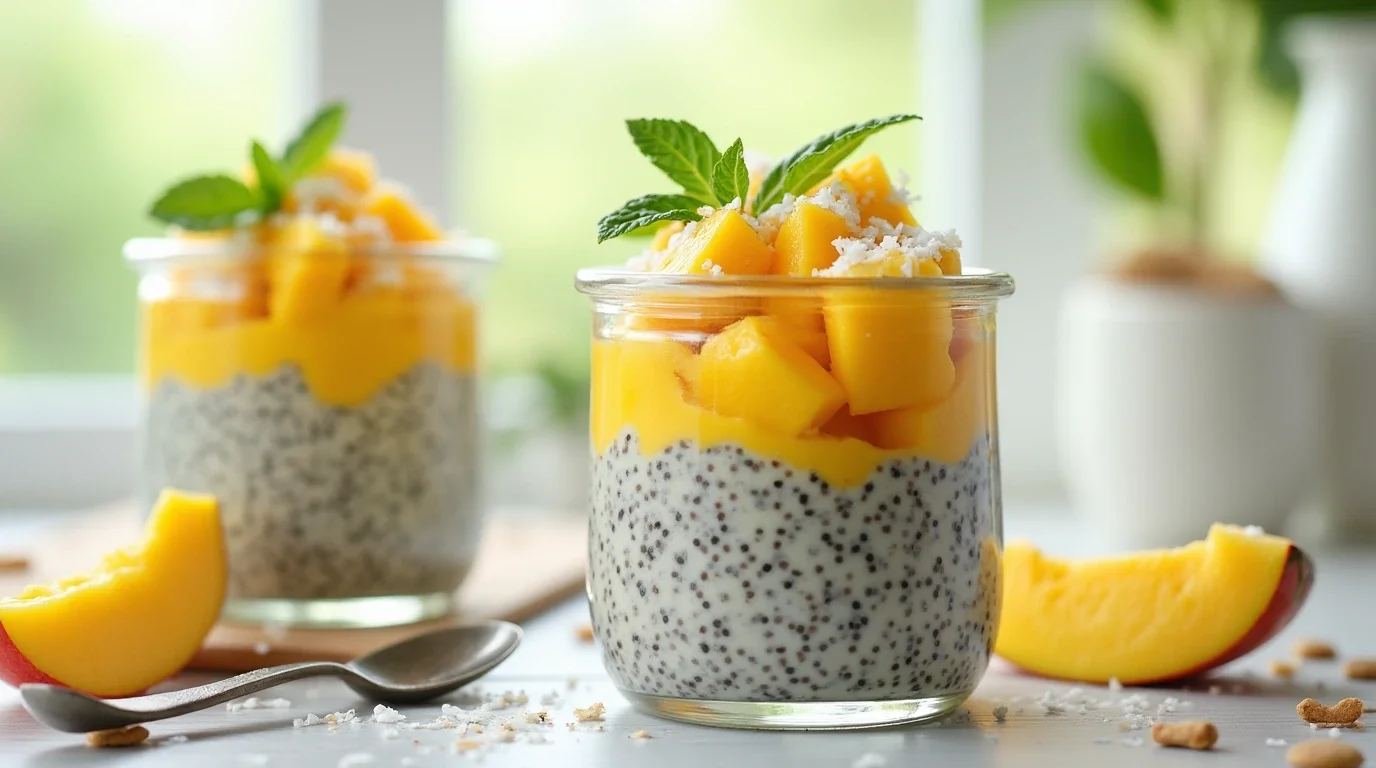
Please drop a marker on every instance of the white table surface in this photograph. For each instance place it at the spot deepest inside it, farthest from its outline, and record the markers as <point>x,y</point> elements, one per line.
<point>1250,709</point>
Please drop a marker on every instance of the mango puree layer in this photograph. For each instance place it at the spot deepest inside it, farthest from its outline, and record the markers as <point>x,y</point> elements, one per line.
<point>646,384</point>
<point>350,344</point>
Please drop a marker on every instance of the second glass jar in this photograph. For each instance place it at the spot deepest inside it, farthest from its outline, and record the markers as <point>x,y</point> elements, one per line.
<point>329,401</point>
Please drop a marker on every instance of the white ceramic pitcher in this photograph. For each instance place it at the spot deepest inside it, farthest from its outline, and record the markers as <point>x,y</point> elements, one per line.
<point>1321,247</point>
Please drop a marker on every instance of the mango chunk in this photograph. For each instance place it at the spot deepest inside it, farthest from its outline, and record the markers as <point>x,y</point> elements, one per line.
<point>724,240</point>
<point>406,221</point>
<point>890,349</point>
<point>869,182</point>
<point>355,170</point>
<point>751,371</point>
<point>800,321</point>
<point>947,430</point>
<point>950,262</point>
<point>307,270</point>
<point>846,424</point>
<point>804,240</point>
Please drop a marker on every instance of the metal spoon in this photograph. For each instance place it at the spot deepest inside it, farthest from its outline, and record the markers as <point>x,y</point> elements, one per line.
<point>417,669</point>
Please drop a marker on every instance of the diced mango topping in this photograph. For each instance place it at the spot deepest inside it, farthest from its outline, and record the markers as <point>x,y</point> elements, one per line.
<point>874,192</point>
<point>804,243</point>
<point>750,370</point>
<point>726,240</point>
<point>890,349</point>
<point>407,222</point>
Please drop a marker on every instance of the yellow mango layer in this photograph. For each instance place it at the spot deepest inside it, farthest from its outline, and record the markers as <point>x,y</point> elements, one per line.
<point>753,370</point>
<point>890,349</point>
<point>650,386</point>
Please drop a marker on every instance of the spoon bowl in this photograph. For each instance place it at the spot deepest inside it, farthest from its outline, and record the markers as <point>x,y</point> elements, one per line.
<point>417,669</point>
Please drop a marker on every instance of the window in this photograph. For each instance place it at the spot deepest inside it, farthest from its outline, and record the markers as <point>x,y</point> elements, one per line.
<point>101,104</point>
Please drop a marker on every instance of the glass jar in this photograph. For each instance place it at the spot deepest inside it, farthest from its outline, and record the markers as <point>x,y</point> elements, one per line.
<point>329,398</point>
<point>796,516</point>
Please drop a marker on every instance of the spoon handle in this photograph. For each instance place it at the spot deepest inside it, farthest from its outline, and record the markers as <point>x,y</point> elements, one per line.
<point>173,703</point>
<point>75,712</point>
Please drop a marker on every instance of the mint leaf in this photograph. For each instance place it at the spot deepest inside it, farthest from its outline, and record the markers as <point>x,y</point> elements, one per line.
<point>682,151</point>
<point>810,164</point>
<point>310,147</point>
<point>271,186</point>
<point>1117,133</point>
<point>205,203</point>
<point>730,177</point>
<point>646,210</point>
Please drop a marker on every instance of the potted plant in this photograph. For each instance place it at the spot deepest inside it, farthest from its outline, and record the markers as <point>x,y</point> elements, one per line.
<point>1189,384</point>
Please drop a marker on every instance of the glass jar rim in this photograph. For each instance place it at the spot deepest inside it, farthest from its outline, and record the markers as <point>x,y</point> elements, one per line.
<point>141,251</point>
<point>976,284</point>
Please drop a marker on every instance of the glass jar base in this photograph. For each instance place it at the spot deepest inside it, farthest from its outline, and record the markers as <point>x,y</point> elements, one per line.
<point>798,715</point>
<point>346,613</point>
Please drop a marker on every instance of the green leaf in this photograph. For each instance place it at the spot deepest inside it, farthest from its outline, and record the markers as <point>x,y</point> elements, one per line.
<point>310,147</point>
<point>271,186</point>
<point>1117,133</point>
<point>646,210</point>
<point>1163,10</point>
<point>205,203</point>
<point>803,169</point>
<point>682,151</point>
<point>730,177</point>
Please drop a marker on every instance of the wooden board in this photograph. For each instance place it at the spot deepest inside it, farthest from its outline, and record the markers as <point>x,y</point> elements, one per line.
<point>524,566</point>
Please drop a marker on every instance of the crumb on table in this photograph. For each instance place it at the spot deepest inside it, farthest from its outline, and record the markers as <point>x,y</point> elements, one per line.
<point>117,737</point>
<point>584,633</point>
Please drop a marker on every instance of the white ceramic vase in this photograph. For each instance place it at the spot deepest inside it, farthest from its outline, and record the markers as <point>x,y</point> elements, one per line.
<point>1321,247</point>
<point>1179,407</point>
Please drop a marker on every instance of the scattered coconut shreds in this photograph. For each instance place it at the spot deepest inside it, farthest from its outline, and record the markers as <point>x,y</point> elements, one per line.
<point>467,745</point>
<point>1276,742</point>
<point>334,719</point>
<point>177,739</point>
<point>386,715</point>
<point>254,702</point>
<point>590,714</point>
<point>1334,733</point>
<point>1132,741</point>
<point>506,736</point>
<point>1114,685</point>
<point>1000,713</point>
<point>356,758</point>
<point>538,718</point>
<point>870,760</point>
<point>641,734</point>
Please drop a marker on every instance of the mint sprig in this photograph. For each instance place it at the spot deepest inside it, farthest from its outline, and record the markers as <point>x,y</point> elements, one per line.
<point>730,177</point>
<point>219,201</point>
<point>644,211</point>
<point>682,151</point>
<point>813,162</point>
<point>310,146</point>
<point>206,203</point>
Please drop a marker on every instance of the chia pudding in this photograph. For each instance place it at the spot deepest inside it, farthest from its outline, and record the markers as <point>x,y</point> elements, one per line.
<point>719,574</point>
<point>322,501</point>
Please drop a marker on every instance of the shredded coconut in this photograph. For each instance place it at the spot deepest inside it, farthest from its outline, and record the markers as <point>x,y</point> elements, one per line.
<point>642,735</point>
<point>1254,530</point>
<point>1114,685</point>
<point>386,715</point>
<point>898,191</point>
<point>1276,742</point>
<point>355,758</point>
<point>1132,741</point>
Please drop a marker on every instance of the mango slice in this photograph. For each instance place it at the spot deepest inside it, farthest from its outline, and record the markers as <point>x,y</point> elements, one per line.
<point>406,221</point>
<point>131,622</point>
<point>804,242</point>
<point>890,349</point>
<point>1150,616</point>
<point>308,270</point>
<point>356,170</point>
<point>869,182</point>
<point>950,262</point>
<point>751,370</point>
<point>723,239</point>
